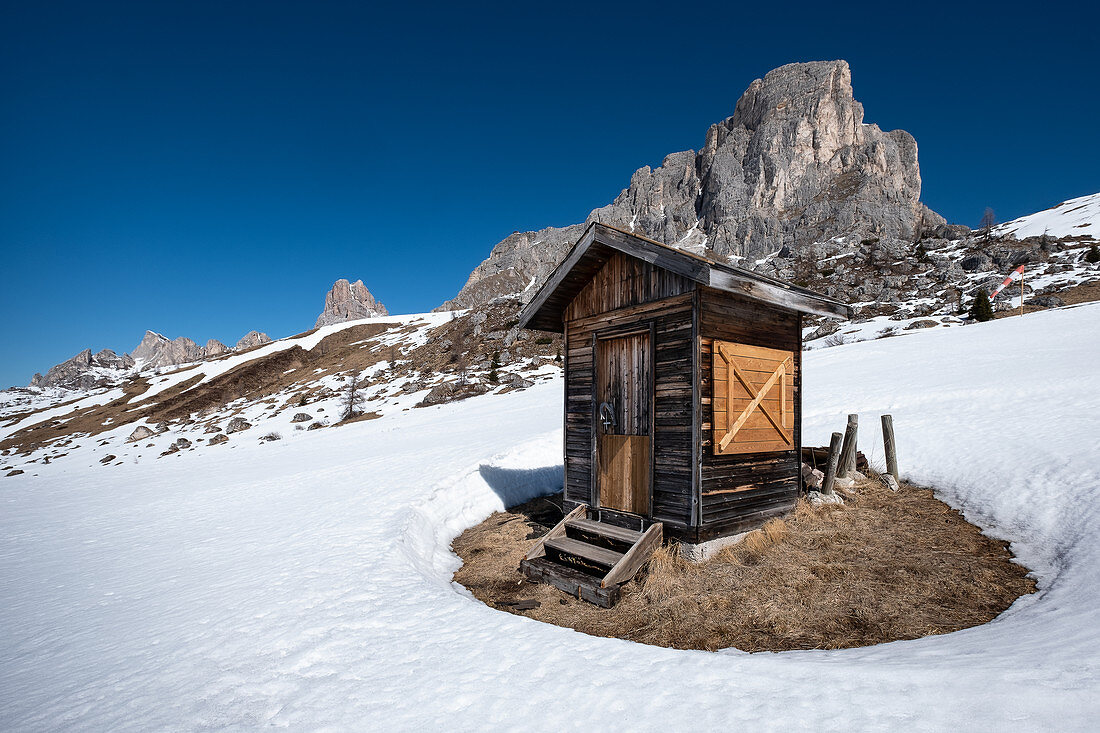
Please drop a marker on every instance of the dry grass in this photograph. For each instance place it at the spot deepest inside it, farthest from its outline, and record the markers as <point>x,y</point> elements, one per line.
<point>885,566</point>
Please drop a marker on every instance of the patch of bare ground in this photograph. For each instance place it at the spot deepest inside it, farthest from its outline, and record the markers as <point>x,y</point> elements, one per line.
<point>1086,293</point>
<point>884,566</point>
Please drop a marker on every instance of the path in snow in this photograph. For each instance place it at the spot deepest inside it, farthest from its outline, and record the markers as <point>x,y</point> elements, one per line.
<point>306,584</point>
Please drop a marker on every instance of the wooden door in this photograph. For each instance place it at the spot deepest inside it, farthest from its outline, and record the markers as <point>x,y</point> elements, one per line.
<point>624,404</point>
<point>753,399</point>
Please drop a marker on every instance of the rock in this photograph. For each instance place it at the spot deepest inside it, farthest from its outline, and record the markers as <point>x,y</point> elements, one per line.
<point>215,348</point>
<point>15,472</point>
<point>158,351</point>
<point>236,425</point>
<point>827,328</point>
<point>890,482</point>
<point>219,439</point>
<point>301,417</point>
<point>976,261</point>
<point>349,302</point>
<point>845,483</point>
<point>315,426</point>
<point>141,432</point>
<point>1046,301</point>
<point>251,340</point>
<point>796,142</point>
<point>162,427</point>
<point>85,370</point>
<point>518,382</point>
<point>182,443</point>
<point>107,459</point>
<point>818,499</point>
<point>926,323</point>
<point>451,392</point>
<point>811,477</point>
<point>212,429</point>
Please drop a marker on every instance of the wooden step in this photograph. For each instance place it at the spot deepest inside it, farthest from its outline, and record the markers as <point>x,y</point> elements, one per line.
<point>598,555</point>
<point>585,570</point>
<point>610,531</point>
<point>574,582</point>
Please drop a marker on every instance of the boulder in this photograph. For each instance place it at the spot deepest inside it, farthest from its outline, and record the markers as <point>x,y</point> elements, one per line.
<point>141,432</point>
<point>182,443</point>
<point>451,392</point>
<point>219,439</point>
<point>236,425</point>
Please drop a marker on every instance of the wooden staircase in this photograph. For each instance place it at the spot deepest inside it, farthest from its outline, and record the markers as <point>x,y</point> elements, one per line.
<point>590,559</point>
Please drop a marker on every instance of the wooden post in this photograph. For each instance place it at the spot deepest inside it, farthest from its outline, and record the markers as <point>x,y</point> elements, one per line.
<point>831,464</point>
<point>891,448</point>
<point>848,452</point>
<point>1021,296</point>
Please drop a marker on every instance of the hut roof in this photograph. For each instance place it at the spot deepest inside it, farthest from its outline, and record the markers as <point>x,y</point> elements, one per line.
<point>600,241</point>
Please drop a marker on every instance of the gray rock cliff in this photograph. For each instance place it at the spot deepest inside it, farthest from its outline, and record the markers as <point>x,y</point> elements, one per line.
<point>252,339</point>
<point>84,371</point>
<point>159,351</point>
<point>349,301</point>
<point>793,165</point>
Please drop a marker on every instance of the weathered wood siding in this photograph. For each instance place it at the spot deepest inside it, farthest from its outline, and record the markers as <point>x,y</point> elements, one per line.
<point>739,492</point>
<point>627,296</point>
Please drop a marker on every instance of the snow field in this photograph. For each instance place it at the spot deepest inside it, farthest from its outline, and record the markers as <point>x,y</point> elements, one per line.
<point>306,584</point>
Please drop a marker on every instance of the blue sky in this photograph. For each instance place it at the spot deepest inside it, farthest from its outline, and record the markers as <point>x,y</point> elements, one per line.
<point>202,169</point>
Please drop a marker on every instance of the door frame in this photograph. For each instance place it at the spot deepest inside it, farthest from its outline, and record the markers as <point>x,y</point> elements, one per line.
<point>648,327</point>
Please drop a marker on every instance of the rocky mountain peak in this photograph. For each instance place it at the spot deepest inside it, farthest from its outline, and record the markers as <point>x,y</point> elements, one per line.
<point>156,350</point>
<point>83,371</point>
<point>793,165</point>
<point>214,348</point>
<point>349,301</point>
<point>252,339</point>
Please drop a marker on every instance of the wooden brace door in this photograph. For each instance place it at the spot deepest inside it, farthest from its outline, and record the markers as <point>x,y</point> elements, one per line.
<point>624,404</point>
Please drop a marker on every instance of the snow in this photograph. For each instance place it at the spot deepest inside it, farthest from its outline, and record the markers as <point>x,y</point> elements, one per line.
<point>306,584</point>
<point>1076,217</point>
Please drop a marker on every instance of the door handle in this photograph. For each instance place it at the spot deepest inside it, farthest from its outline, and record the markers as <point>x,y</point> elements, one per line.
<point>607,415</point>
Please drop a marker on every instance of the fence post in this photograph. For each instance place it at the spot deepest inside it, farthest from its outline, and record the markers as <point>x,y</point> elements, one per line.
<point>831,464</point>
<point>848,451</point>
<point>891,448</point>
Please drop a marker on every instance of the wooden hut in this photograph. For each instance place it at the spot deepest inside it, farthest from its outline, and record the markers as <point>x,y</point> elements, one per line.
<point>682,402</point>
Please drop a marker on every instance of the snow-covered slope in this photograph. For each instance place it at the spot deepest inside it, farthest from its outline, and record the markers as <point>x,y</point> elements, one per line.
<point>306,584</point>
<point>1074,218</point>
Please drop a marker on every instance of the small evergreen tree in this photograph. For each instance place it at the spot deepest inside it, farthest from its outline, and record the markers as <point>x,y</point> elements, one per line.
<point>494,364</point>
<point>1093,255</point>
<point>982,309</point>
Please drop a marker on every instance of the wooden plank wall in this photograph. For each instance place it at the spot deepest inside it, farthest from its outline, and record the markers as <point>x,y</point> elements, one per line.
<point>739,492</point>
<point>624,281</point>
<point>626,296</point>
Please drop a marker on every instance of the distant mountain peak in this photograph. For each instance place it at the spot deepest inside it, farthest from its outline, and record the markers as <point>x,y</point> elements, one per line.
<point>349,301</point>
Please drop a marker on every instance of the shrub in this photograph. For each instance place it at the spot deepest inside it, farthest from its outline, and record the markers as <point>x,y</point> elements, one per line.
<point>494,365</point>
<point>1093,255</point>
<point>981,310</point>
